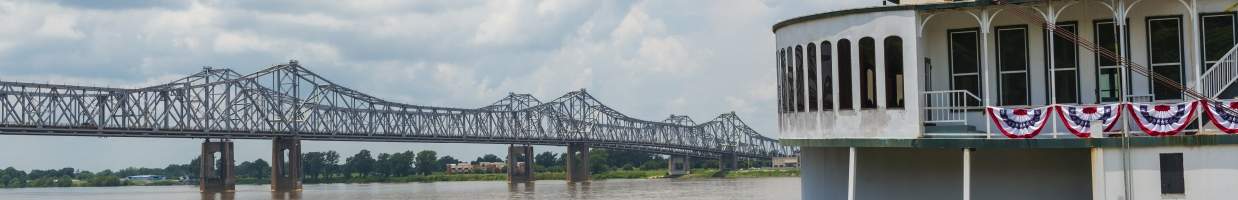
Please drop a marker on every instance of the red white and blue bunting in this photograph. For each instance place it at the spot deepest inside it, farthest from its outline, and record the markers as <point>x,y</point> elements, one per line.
<point>1163,120</point>
<point>1019,122</point>
<point>1078,118</point>
<point>1221,113</point>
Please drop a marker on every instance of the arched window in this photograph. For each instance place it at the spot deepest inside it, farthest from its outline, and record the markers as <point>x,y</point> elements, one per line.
<point>868,73</point>
<point>782,86</point>
<point>813,99</point>
<point>827,81</point>
<point>789,79</point>
<point>844,74</point>
<point>894,72</point>
<point>799,78</point>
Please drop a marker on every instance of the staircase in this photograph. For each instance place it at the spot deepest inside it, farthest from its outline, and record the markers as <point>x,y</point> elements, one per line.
<point>1221,75</point>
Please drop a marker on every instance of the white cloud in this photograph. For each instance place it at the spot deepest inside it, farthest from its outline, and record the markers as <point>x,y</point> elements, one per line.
<point>646,58</point>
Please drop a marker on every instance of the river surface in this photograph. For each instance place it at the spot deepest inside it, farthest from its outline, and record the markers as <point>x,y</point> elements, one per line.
<point>745,188</point>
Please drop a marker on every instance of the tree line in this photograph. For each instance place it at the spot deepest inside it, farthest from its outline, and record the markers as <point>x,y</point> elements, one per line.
<point>330,165</point>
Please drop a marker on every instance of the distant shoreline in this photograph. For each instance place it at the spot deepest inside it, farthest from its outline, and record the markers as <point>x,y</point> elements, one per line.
<point>438,177</point>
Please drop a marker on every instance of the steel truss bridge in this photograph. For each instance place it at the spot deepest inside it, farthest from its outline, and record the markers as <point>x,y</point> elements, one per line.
<point>287,100</point>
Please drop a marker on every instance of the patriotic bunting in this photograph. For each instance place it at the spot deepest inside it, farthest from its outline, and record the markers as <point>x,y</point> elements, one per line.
<point>1078,118</point>
<point>1163,120</point>
<point>1019,123</point>
<point>1221,113</point>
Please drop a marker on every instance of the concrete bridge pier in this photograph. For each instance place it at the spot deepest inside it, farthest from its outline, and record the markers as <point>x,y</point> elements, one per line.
<point>210,178</point>
<point>577,162</point>
<point>678,165</point>
<point>520,164</point>
<point>285,164</point>
<point>729,161</point>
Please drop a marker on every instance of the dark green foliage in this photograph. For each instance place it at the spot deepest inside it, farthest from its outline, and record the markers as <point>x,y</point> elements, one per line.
<point>488,158</point>
<point>258,169</point>
<point>427,162</point>
<point>361,163</point>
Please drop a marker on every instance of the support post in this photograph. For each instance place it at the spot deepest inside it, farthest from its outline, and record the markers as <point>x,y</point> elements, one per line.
<point>210,179</point>
<point>728,162</point>
<point>851,173</point>
<point>678,166</point>
<point>966,174</point>
<point>577,162</point>
<point>285,164</point>
<point>520,164</point>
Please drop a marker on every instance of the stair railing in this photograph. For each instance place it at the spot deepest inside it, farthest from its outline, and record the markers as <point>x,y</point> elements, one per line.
<point>1222,74</point>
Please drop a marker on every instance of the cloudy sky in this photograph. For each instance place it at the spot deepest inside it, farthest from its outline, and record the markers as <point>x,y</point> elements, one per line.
<point>648,59</point>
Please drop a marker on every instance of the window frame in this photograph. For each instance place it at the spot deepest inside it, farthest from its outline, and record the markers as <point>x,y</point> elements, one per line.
<point>1056,69</point>
<point>1173,182</point>
<point>997,49</point>
<point>865,83</point>
<point>812,71</point>
<point>1096,59</point>
<point>1203,44</point>
<point>1152,67</point>
<point>825,49</point>
<point>950,65</point>
<point>846,93</point>
<point>893,88</point>
<point>781,84</point>
<point>798,59</point>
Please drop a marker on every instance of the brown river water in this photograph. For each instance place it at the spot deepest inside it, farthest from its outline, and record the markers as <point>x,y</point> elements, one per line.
<point>744,188</point>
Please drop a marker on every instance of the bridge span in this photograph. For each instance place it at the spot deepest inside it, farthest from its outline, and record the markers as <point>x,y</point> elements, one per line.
<point>287,103</point>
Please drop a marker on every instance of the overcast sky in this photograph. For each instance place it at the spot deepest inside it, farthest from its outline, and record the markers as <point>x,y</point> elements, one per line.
<point>648,59</point>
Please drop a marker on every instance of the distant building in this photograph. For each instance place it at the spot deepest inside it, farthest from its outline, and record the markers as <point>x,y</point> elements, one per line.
<point>787,162</point>
<point>145,178</point>
<point>482,167</point>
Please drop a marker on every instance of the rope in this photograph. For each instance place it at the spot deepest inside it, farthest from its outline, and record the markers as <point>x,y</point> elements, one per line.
<point>1072,37</point>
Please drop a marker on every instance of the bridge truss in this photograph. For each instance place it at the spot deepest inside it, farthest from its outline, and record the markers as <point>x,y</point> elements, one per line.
<point>287,100</point>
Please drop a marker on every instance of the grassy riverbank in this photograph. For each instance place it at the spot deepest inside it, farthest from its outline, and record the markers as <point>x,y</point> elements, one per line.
<point>617,174</point>
<point>440,177</point>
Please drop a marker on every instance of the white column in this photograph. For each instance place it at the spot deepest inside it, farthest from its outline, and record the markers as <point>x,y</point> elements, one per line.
<point>857,92</point>
<point>1198,56</point>
<point>879,71</point>
<point>851,174</point>
<point>1052,72</point>
<point>834,77</point>
<point>984,68</point>
<point>1052,31</point>
<point>966,174</point>
<point>1098,174</point>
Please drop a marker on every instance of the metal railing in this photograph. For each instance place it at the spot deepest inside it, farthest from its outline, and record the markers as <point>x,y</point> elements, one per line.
<point>949,106</point>
<point>1222,73</point>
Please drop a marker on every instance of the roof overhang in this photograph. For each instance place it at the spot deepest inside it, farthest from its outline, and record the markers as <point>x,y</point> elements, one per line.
<point>931,6</point>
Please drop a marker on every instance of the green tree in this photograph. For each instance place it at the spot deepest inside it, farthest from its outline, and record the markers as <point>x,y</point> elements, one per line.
<point>597,161</point>
<point>427,162</point>
<point>384,166</point>
<point>447,160</point>
<point>488,158</point>
<point>332,161</point>
<point>314,164</point>
<point>107,180</point>
<point>546,159</point>
<point>64,181</point>
<point>258,169</point>
<point>361,163</point>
